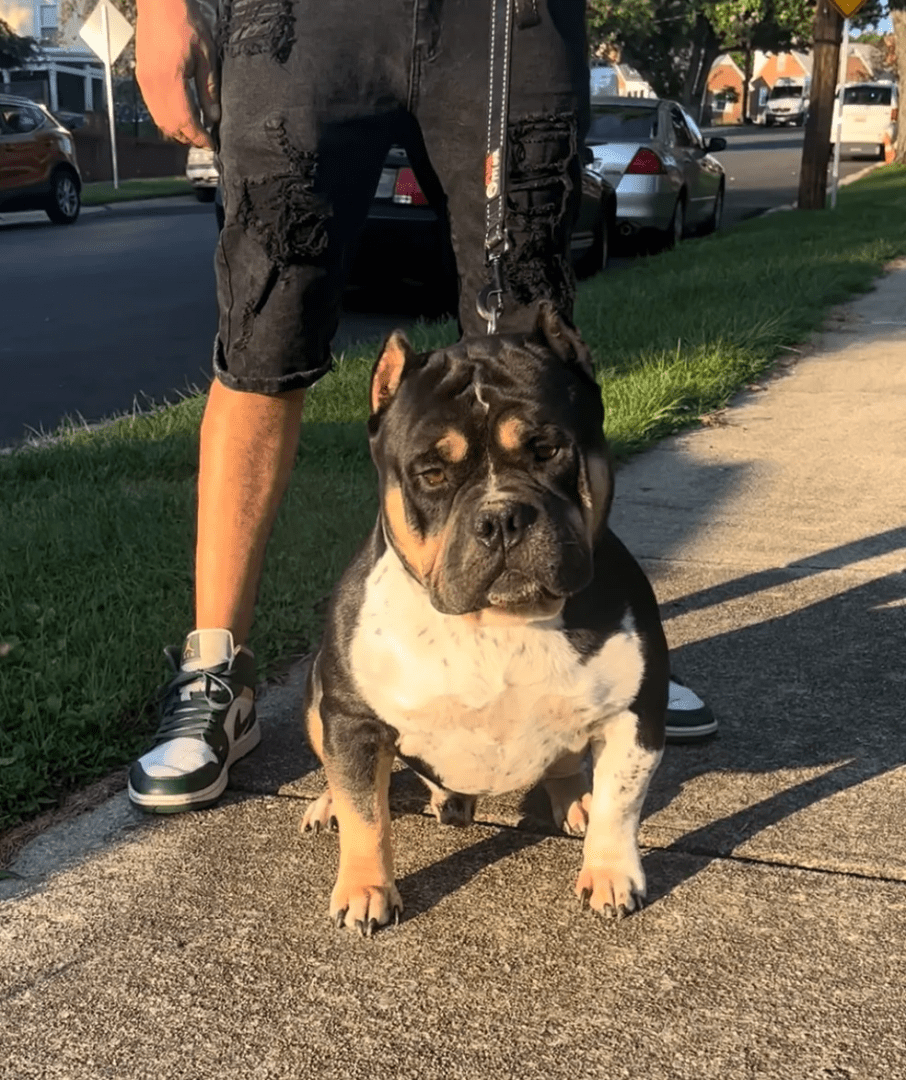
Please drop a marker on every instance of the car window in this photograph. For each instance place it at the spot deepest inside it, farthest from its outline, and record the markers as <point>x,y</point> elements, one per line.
<point>681,134</point>
<point>697,136</point>
<point>18,120</point>
<point>622,123</point>
<point>867,95</point>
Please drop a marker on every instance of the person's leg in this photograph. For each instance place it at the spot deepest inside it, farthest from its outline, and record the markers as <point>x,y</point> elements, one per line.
<point>297,182</point>
<point>248,444</point>
<point>548,118</point>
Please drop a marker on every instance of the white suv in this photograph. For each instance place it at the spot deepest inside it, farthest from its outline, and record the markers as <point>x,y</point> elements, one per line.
<point>201,172</point>
<point>869,118</point>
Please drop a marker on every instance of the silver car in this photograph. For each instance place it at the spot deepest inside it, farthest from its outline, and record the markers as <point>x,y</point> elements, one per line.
<point>653,153</point>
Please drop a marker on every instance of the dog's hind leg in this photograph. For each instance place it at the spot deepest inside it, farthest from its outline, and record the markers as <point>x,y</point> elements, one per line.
<point>568,786</point>
<point>449,807</point>
<point>319,816</point>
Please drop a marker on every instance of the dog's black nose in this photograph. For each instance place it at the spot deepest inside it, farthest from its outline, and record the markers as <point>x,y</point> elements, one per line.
<point>504,524</point>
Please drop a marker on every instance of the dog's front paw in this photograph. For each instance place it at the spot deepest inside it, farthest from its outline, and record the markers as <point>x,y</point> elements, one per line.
<point>613,889</point>
<point>319,816</point>
<point>360,905</point>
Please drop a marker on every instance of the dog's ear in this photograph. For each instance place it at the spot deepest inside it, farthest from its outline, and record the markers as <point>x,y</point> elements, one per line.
<point>563,339</point>
<point>388,371</point>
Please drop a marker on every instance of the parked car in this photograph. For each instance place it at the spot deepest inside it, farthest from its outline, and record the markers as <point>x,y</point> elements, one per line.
<point>653,153</point>
<point>403,233</point>
<point>870,115</point>
<point>202,174</point>
<point>788,102</point>
<point>38,169</point>
<point>404,230</point>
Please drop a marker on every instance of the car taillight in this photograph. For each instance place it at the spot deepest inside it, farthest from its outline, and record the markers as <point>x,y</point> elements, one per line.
<point>645,163</point>
<point>893,113</point>
<point>406,189</point>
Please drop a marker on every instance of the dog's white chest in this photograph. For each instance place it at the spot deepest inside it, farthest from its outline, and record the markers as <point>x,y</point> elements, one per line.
<point>489,709</point>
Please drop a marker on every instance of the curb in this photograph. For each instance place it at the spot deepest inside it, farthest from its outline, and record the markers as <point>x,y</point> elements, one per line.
<point>840,183</point>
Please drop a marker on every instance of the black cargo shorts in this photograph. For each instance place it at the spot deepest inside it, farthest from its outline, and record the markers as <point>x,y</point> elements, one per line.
<point>313,94</point>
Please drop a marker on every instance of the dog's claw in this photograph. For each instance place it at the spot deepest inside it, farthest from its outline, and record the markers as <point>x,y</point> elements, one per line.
<point>340,918</point>
<point>584,898</point>
<point>396,915</point>
<point>333,824</point>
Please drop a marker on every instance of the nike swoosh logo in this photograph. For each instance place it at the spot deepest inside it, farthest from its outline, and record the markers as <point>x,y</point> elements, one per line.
<point>245,717</point>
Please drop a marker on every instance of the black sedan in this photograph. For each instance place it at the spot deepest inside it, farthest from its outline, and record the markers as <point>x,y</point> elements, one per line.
<point>402,221</point>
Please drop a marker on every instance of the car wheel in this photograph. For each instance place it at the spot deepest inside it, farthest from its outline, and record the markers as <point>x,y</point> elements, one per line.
<point>64,203</point>
<point>595,259</point>
<point>713,222</point>
<point>768,122</point>
<point>205,194</point>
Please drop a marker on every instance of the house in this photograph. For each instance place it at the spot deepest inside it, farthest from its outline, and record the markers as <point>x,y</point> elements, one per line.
<point>630,83</point>
<point>725,80</point>
<point>66,79</point>
<point>725,83</point>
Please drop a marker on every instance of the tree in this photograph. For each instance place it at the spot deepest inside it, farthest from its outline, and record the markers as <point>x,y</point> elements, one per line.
<point>770,25</point>
<point>674,43</point>
<point>827,39</point>
<point>898,18</point>
<point>15,50</point>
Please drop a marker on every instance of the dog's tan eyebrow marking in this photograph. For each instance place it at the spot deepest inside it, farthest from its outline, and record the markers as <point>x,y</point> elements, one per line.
<point>452,446</point>
<point>510,432</point>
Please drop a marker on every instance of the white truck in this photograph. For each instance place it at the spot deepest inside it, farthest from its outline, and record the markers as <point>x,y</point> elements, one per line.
<point>788,102</point>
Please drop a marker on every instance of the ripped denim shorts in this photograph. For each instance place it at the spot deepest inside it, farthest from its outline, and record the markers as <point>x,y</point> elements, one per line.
<point>313,94</point>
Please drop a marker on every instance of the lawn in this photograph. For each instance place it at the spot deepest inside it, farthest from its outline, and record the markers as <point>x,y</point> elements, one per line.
<point>97,527</point>
<point>101,192</point>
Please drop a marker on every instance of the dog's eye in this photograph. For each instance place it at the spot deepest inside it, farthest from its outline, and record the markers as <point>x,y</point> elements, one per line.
<point>545,451</point>
<point>433,477</point>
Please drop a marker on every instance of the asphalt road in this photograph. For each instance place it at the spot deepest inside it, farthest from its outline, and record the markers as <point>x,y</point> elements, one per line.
<point>120,307</point>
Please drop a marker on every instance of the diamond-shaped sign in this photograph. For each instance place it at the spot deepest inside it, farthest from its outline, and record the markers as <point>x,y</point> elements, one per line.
<point>847,8</point>
<point>118,32</point>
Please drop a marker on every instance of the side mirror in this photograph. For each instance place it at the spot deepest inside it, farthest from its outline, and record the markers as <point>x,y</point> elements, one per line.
<point>716,144</point>
<point>588,156</point>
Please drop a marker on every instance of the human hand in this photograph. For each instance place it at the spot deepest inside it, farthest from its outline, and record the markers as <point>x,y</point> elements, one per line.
<point>174,48</point>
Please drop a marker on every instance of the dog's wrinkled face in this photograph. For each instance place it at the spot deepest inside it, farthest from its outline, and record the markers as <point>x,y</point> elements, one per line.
<point>494,472</point>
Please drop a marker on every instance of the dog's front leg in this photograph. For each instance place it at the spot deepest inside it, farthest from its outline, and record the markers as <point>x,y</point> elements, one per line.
<point>358,757</point>
<point>612,881</point>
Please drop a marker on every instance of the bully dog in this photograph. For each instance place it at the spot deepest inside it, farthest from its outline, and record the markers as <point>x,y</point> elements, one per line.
<point>491,630</point>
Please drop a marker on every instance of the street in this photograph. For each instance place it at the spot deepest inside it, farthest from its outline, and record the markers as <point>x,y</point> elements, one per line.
<point>120,307</point>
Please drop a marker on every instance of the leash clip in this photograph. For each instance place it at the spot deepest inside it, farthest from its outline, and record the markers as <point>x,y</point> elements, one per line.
<point>490,298</point>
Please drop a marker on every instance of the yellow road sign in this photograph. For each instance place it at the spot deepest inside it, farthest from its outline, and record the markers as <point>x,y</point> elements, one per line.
<point>847,8</point>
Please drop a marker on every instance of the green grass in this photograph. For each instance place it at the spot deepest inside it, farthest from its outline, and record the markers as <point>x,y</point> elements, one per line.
<point>102,191</point>
<point>97,529</point>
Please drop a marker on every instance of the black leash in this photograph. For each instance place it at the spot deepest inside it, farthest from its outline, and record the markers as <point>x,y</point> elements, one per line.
<point>496,244</point>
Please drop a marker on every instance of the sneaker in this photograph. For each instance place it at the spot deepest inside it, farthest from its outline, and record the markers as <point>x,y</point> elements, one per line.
<point>207,721</point>
<point>688,717</point>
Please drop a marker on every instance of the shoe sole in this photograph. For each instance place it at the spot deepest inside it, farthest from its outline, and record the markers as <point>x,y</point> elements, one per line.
<point>690,733</point>
<point>198,800</point>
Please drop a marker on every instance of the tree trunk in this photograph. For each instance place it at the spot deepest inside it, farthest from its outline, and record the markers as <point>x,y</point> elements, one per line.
<point>825,67</point>
<point>746,80</point>
<point>898,18</point>
<point>695,61</point>
<point>710,52</point>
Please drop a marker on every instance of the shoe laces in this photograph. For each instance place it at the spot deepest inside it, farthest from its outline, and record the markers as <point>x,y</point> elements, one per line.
<point>196,713</point>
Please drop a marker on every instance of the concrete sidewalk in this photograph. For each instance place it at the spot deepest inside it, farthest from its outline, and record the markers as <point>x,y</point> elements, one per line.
<point>774,943</point>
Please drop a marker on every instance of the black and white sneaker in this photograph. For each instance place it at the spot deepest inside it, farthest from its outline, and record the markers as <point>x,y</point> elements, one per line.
<point>207,722</point>
<point>688,718</point>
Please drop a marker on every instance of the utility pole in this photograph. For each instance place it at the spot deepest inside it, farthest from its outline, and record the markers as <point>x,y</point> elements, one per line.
<point>816,149</point>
